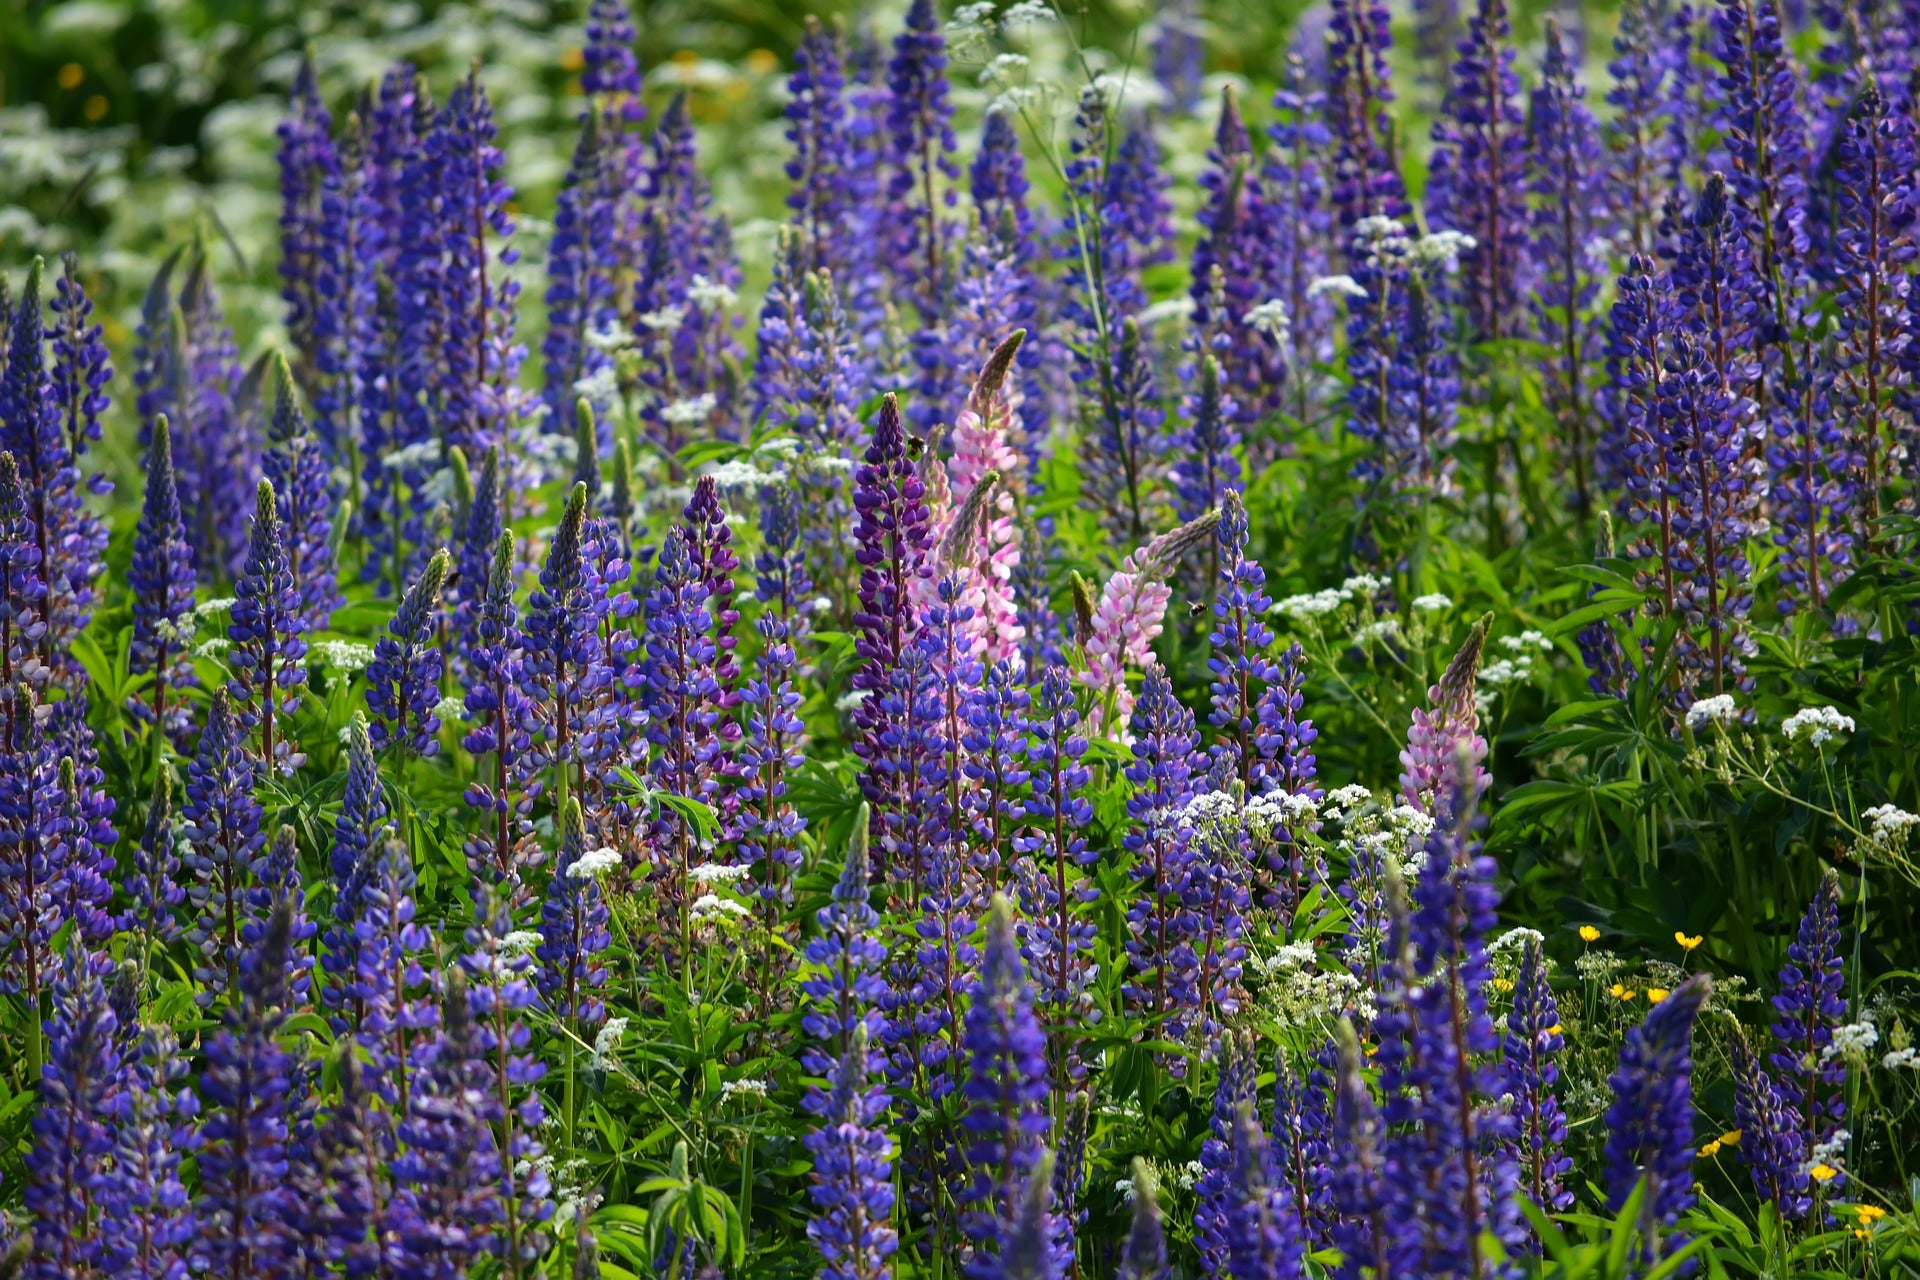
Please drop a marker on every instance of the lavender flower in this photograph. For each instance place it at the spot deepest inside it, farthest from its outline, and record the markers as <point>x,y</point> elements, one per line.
<point>162,581</point>
<point>81,370</point>
<point>1810,1005</point>
<point>1263,1234</point>
<point>403,680</point>
<point>1529,1072</point>
<point>1366,174</point>
<point>826,190</point>
<point>1237,237</point>
<point>153,887</point>
<point>30,878</point>
<point>502,716</point>
<point>1772,1144</point>
<point>1367,1171</point>
<point>1646,66</point>
<point>1449,728</point>
<point>768,828</point>
<point>265,629</point>
<point>581,294</point>
<point>1650,1121</point>
<point>73,1129</point>
<point>1213,1213</point>
<point>1240,639</point>
<point>1160,979</point>
<point>223,840</point>
<point>1119,460</point>
<point>573,929</point>
<point>303,488</point>
<point>561,670</point>
<point>1145,1254</point>
<point>1303,1146</point>
<point>1296,173</point>
<point>780,567</point>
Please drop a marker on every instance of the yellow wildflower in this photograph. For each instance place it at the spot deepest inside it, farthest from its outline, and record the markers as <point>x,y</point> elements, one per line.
<point>1656,994</point>
<point>1688,942</point>
<point>1868,1213</point>
<point>1554,1030</point>
<point>1731,1138</point>
<point>573,59</point>
<point>1824,1173</point>
<point>1589,934</point>
<point>1503,984</point>
<point>1711,1150</point>
<point>1621,993</point>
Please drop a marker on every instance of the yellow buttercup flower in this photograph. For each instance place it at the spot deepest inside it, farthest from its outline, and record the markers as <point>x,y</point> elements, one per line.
<point>1824,1173</point>
<point>1503,984</point>
<point>1622,993</point>
<point>1589,934</point>
<point>1656,994</point>
<point>1731,1138</point>
<point>1688,943</point>
<point>1711,1150</point>
<point>1554,1030</point>
<point>1868,1213</point>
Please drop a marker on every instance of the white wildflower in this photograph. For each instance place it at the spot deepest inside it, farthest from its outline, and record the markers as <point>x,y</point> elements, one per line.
<point>344,656</point>
<point>1125,1187</point>
<point>1379,629</point>
<point>1299,805</point>
<point>1440,249</point>
<point>1851,1042</point>
<point>1027,13</point>
<point>709,294</point>
<point>1338,286</point>
<point>521,942</point>
<point>213,647</point>
<point>1006,69</point>
<point>689,412</point>
<point>1506,671</point>
<point>1435,603</point>
<point>602,386</point>
<point>1364,585</point>
<point>1314,604</point>
<point>1817,726</point>
<point>718,873</point>
<point>1832,1152</point>
<point>735,473</point>
<point>664,319</point>
<point>611,337</point>
<point>206,608</point>
<point>1908,1057</point>
<point>1168,309</point>
<point>709,906</point>
<point>1515,939</point>
<point>1337,801</point>
<point>1270,318</point>
<point>1526,640</point>
<point>752,1088</point>
<point>594,863</point>
<point>1889,826</point>
<point>1416,824</point>
<point>607,1043</point>
<point>1718,709</point>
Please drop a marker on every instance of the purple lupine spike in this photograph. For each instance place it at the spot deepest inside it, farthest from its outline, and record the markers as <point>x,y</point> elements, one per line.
<point>1424,393</point>
<point>308,165</point>
<point>582,295</point>
<point>277,881</point>
<point>920,146</point>
<point>843,977</point>
<point>782,343</point>
<point>82,367</point>
<point>403,680</point>
<point>894,535</point>
<point>265,629</point>
<point>450,1170</point>
<point>561,669</point>
<point>1006,1087</point>
<point>1303,1147</point>
<point>1810,1005</point>
<point>675,186</point>
<point>1366,173</point>
<point>1043,638</point>
<point>81,844</point>
<point>1033,1240</point>
<point>303,489</point>
<point>502,716</point>
<point>1772,1145</point>
<point>824,192</point>
<point>1009,252</point>
<point>683,699</point>
<point>1569,215</point>
<point>500,993</point>
<point>349,260</point>
<point>1765,137</point>
<point>610,64</point>
<point>1240,639</point>
<point>1650,1120</point>
<point>780,566</point>
<point>1213,1188</point>
<point>1289,769</point>
<point>1527,1057</point>
<point>852,1170</point>
<point>244,1203</point>
<point>1262,1231</point>
<point>152,1213</point>
<point>223,840</point>
<point>1634,459</point>
<point>1119,460</point>
<point>1085,243</point>
<point>1873,245</point>
<point>994,749</point>
<point>1478,171</point>
<point>162,581</point>
<point>1144,1256</point>
<point>155,891</point>
<point>1638,129</point>
<point>1451,1134</point>
<point>1056,935</point>
<point>1180,53</point>
<point>358,832</point>
<point>217,455</point>
<point>67,1178</point>
<point>997,181</point>
<point>573,931</point>
<point>30,879</point>
<point>1813,462</point>
<point>1451,726</point>
<point>1160,983</point>
<point>1610,671</point>
<point>23,594</point>
<point>1295,173</point>
<point>1237,236</point>
<point>910,758</point>
<point>1138,212</point>
<point>710,541</point>
<point>389,991</point>
<point>769,828</point>
<point>473,554</point>
<point>352,1184</point>
<point>1365,1171</point>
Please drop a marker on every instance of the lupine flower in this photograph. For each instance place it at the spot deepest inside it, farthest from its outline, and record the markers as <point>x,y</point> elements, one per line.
<point>827,192</point>
<point>1450,726</point>
<point>81,837</point>
<point>573,926</point>
<point>1145,1254</point>
<point>1638,130</point>
<point>153,1215</point>
<point>1650,1121</point>
<point>1529,1073</point>
<point>768,828</point>
<point>216,450</point>
<point>581,294</point>
<point>993,748</point>
<point>265,628</point>
<point>358,833</point>
<point>1479,168</point>
<point>223,841</point>
<point>1137,215</point>
<point>308,165</point>
<point>920,147</point>
<point>1366,176</point>
<point>852,1171</point>
<point>502,716</point>
<point>1296,173</point>
<point>560,668</point>
<point>1303,1146</point>
<point>1772,1144</point>
<point>153,887</point>
<point>780,566</point>
<point>403,680</point>
<point>388,993</point>
<point>1006,1088</point>
<point>1237,236</point>
<point>23,595</point>
<point>1263,1235</point>
<point>1128,617</point>
<point>1610,671</point>
<point>277,881</point>
<point>1160,981</point>
<point>1810,1005</point>
<point>67,1180</point>
<point>162,581</point>
<point>981,458</point>
<point>1366,1172</point>
<point>1120,460</point>
<point>244,1205</point>
<point>1180,54</point>
<point>842,975</point>
<point>473,554</point>
<point>1213,1190</point>
<point>350,254</point>
<point>81,368</point>
<point>1240,639</point>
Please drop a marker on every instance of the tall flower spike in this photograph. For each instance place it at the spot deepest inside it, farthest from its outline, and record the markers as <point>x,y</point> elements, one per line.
<point>155,891</point>
<point>573,931</point>
<point>769,828</point>
<point>74,1126</point>
<point>473,554</point>
<point>1650,1120</point>
<point>561,669</point>
<point>30,878</point>
<point>1772,1145</point>
<point>1006,1089</point>
<point>1145,1255</point>
<point>403,680</point>
<point>842,976</point>
<point>1240,639</point>
<point>1263,1234</point>
<point>985,470</point>
<point>1031,1239</point>
<point>1810,1005</point>
<point>223,841</point>
<point>1366,171</point>
<point>1365,1172</point>
<point>162,581</point>
<point>266,629</point>
<point>308,166</point>
<point>825,189</point>
<point>153,1219</point>
<point>1213,1188</point>
<point>582,300</point>
<point>1296,175</point>
<point>1450,726</point>
<point>1639,132</point>
<point>1160,979</point>
<point>81,366</point>
<point>1123,624</point>
<point>1119,458</point>
<point>919,154</point>
<point>1238,238</point>
<point>852,1173</point>
<point>1533,1040</point>
<point>358,832</point>
<point>303,487</point>
<point>1303,1145</point>
<point>23,593</point>
<point>501,714</point>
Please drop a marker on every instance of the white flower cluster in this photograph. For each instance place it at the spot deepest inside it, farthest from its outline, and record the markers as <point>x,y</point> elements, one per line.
<point>1317,604</point>
<point>602,386</point>
<point>718,873</point>
<point>751,1088</point>
<point>1832,1152</point>
<point>1851,1042</point>
<point>1908,1057</point>
<point>1502,672</point>
<point>1380,629</point>
<point>663,319</point>
<point>594,863</point>
<point>451,708</point>
<point>710,295</point>
<point>1889,826</point>
<point>1386,243</point>
<point>521,942</point>
<point>1336,804</point>
<point>1270,318</point>
<point>691,411</point>
<point>1719,709</point>
<point>1525,641</point>
<point>1435,603</point>
<point>1515,940</point>
<point>1338,286</point>
<point>1006,70</point>
<point>609,338</point>
<point>736,474</point>
<point>711,906</point>
<point>1816,726</point>
<point>607,1042</point>
<point>344,656</point>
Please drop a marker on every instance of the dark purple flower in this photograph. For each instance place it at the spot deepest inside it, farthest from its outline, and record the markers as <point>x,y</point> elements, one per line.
<point>1529,1073</point>
<point>1263,1235</point>
<point>1810,1005</point>
<point>1213,1189</point>
<point>1772,1144</point>
<point>161,578</point>
<point>152,1214</point>
<point>581,297</point>
<point>1006,1087</point>
<point>266,628</point>
<point>767,827</point>
<point>303,488</point>
<point>1238,236</point>
<point>1366,172</point>
<point>502,716</point>
<point>1161,982</point>
<point>223,840</point>
<point>573,931</point>
<point>561,668</point>
<point>852,1172</point>
<point>1144,1256</point>
<point>308,165</point>
<point>920,146</point>
<point>780,566</point>
<point>1365,1173</point>
<point>1303,1148</point>
<point>403,680</point>
<point>67,1177</point>
<point>81,367</point>
<point>1650,1121</point>
<point>1240,638</point>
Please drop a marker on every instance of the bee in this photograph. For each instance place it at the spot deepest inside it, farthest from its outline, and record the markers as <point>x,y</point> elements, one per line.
<point>1196,608</point>
<point>916,446</point>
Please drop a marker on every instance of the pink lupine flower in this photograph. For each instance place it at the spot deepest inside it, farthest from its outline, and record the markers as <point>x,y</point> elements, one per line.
<point>1449,727</point>
<point>1128,618</point>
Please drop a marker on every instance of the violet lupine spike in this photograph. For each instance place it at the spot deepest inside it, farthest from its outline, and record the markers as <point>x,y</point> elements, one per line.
<point>993,747</point>
<point>1296,174</point>
<point>1479,170</point>
<point>1533,1041</point>
<point>1129,615</point>
<point>1447,728</point>
<point>1570,214</point>
<point>1423,394</point>
<point>217,472</point>
<point>1180,53</point>
<point>710,541</point>
<point>675,186</point>
<point>308,166</point>
<point>30,877</point>
<point>265,627</point>
<point>244,1204</point>
<point>1873,244</point>
<point>1813,461</point>
<point>1637,129</point>
<point>1610,671</point>
<point>502,715</point>
<point>82,367</point>
<point>82,839</point>
<point>73,1128</point>
<point>920,147</point>
<point>473,555</point>
<point>842,977</point>
<point>223,841</point>
<point>1366,172</point>
<point>277,882</point>
<point>349,261</point>
<point>1772,1145</point>
<point>1144,1256</point>
<point>154,886</point>
<point>573,931</point>
<point>1810,1005</point>
<point>1650,1120</point>
<point>1119,456</point>
<point>1161,985</point>
<point>582,298</point>
<point>1213,1188</point>
<point>22,592</point>
<point>161,578</point>
<point>997,182</point>
<point>389,987</point>
<point>1643,327</point>
<point>852,1190</point>
<point>1137,218</point>
<point>1238,236</point>
<point>1365,1171</point>
<point>768,828</point>
<point>351,1183</point>
<point>358,833</point>
<point>1303,1146</point>
<point>1289,769</point>
<point>1006,1088</point>
<point>1240,639</point>
<point>561,669</point>
<point>153,1214</point>
<point>825,189</point>
<point>303,488</point>
<point>1263,1233</point>
<point>780,566</point>
<point>403,679</point>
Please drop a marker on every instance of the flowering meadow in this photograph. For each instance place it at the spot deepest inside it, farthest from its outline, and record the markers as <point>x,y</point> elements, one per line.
<point>1007,643</point>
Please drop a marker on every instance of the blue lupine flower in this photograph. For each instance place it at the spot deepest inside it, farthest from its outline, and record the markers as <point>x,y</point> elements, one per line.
<point>81,367</point>
<point>852,1172</point>
<point>1366,175</point>
<point>1529,1072</point>
<point>223,841</point>
<point>826,191</point>
<point>1365,1172</point>
<point>1650,1121</point>
<point>276,882</point>
<point>768,829</point>
<point>67,1178</point>
<point>561,669</point>
<point>152,1214</point>
<point>920,146</point>
<point>1213,1190</point>
<point>780,566</point>
<point>1263,1235</point>
<point>155,891</point>
<point>303,489</point>
<point>349,259</point>
<point>1296,173</point>
<point>308,165</point>
<point>162,581</point>
<point>1303,1145</point>
<point>1160,979</point>
<point>1240,639</point>
<point>1810,1005</point>
<point>573,931</point>
<point>994,753</point>
<point>266,629</point>
<point>1145,1254</point>
<point>581,294</point>
<point>1006,1088</point>
<point>502,716</point>
<point>1772,1145</point>
<point>403,680</point>
<point>1640,131</point>
<point>1119,459</point>
<point>1238,226</point>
